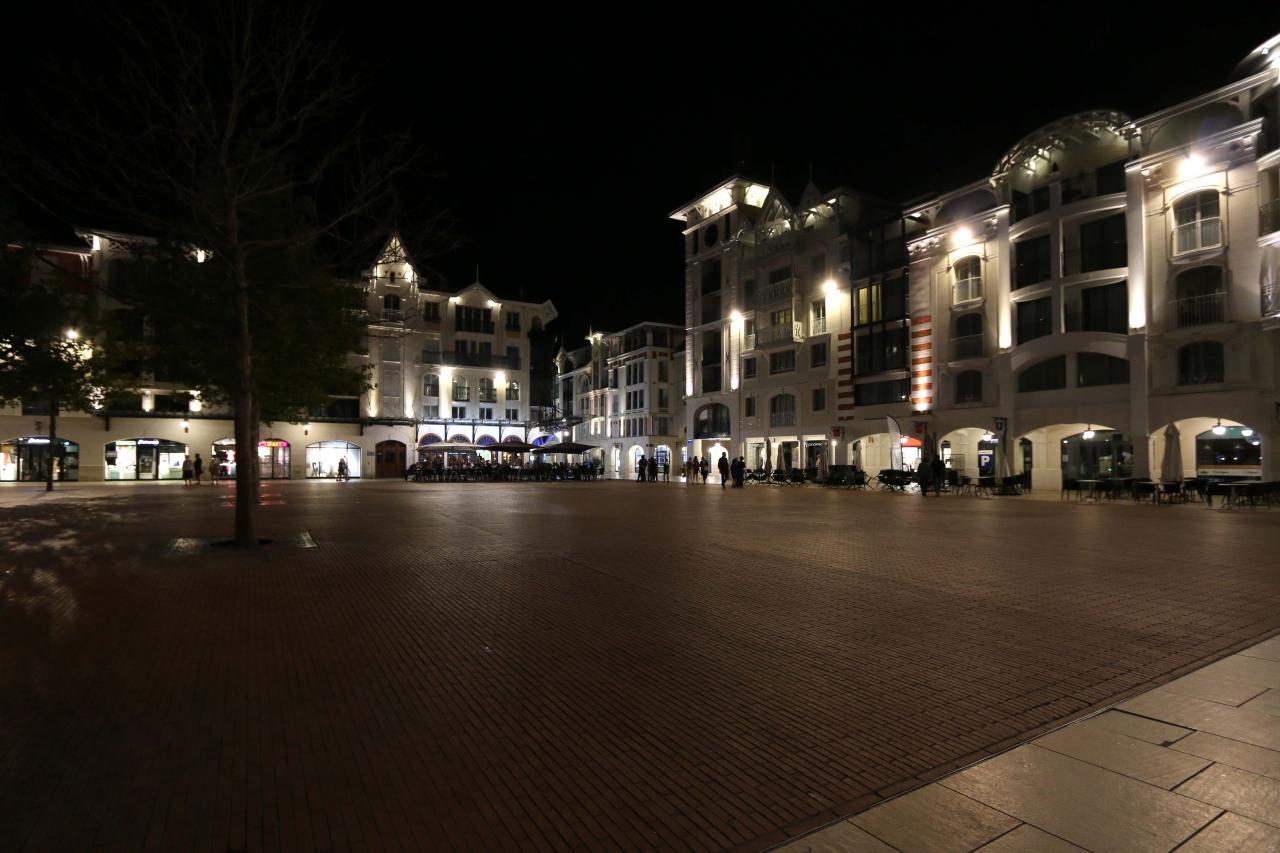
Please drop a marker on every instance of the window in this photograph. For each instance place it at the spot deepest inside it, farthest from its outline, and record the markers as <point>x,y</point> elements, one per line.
<point>819,399</point>
<point>1031,261</point>
<point>712,421</point>
<point>781,362</point>
<point>969,386</point>
<point>967,341</point>
<point>749,367</point>
<point>459,412</point>
<point>710,378</point>
<point>513,390</point>
<point>1034,319</point>
<point>748,291</point>
<point>750,405</point>
<point>473,320</point>
<point>391,302</point>
<point>663,399</point>
<point>878,350</point>
<point>430,411</point>
<point>1093,368</point>
<point>780,274</point>
<point>513,321</point>
<point>1103,309</point>
<point>1200,363</point>
<point>1103,245</point>
<point>867,304</point>
<point>818,317</point>
<point>663,370</point>
<point>486,413</point>
<point>782,410</point>
<point>431,385</point>
<point>488,393</point>
<point>461,388</point>
<point>1196,222</point>
<point>710,308</point>
<point>513,357</point>
<point>431,312</point>
<point>711,277</point>
<point>968,280</point>
<point>1201,297</point>
<point>879,393</point>
<point>818,355</point>
<point>1047,375</point>
<point>885,300</point>
<point>513,414</point>
<point>780,318</point>
<point>711,348</point>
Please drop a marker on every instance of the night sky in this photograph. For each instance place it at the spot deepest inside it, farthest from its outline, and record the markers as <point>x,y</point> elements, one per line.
<point>562,144</point>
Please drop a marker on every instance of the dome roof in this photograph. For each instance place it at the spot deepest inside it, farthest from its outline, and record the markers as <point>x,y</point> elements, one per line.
<point>1079,129</point>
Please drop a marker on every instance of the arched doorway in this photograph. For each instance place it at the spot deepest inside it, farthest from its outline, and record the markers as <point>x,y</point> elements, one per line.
<point>323,458</point>
<point>273,458</point>
<point>144,459</point>
<point>1229,453</point>
<point>389,459</point>
<point>27,459</point>
<point>1097,454</point>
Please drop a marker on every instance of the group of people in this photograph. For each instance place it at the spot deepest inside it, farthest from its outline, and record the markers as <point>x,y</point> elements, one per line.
<point>932,475</point>
<point>192,470</point>
<point>734,471</point>
<point>648,470</point>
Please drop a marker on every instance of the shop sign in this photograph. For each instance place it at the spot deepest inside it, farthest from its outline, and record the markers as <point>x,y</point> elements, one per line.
<point>35,441</point>
<point>273,442</point>
<point>148,441</point>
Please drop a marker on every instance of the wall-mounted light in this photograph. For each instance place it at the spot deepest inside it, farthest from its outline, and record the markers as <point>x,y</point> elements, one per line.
<point>735,319</point>
<point>1088,433</point>
<point>186,425</point>
<point>500,378</point>
<point>1219,429</point>
<point>962,237</point>
<point>200,256</point>
<point>1192,167</point>
<point>306,428</point>
<point>829,286</point>
<point>1246,432</point>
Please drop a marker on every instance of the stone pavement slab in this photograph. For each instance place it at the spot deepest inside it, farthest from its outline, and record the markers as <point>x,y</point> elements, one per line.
<point>1028,839</point>
<point>1238,791</point>
<point>934,818</point>
<point>1236,834</point>
<point>1122,754</point>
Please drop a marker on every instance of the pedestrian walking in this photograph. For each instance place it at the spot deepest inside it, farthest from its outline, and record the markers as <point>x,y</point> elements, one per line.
<point>939,474</point>
<point>197,468</point>
<point>704,468</point>
<point>343,471</point>
<point>723,465</point>
<point>186,471</point>
<point>642,466</point>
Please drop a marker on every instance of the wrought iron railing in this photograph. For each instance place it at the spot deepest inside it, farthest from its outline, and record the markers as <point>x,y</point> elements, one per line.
<point>1200,310</point>
<point>967,346</point>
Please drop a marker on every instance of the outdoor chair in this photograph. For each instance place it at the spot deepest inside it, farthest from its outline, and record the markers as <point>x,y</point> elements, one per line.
<point>1069,486</point>
<point>797,477</point>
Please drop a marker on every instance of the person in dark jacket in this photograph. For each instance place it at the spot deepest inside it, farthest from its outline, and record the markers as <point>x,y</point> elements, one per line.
<point>939,474</point>
<point>653,469</point>
<point>723,465</point>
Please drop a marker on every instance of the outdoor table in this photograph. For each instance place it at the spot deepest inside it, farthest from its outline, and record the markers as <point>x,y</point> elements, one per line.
<point>1089,490</point>
<point>1237,492</point>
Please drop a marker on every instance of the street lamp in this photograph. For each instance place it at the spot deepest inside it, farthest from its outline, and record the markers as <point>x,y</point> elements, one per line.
<point>72,335</point>
<point>1219,429</point>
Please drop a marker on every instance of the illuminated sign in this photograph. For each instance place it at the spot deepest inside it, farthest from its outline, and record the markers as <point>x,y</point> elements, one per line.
<point>146,441</point>
<point>273,442</point>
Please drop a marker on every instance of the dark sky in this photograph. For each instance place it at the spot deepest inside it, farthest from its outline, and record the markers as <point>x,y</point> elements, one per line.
<point>563,143</point>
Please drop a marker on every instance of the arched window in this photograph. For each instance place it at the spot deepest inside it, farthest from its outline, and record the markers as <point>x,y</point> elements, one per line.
<point>969,386</point>
<point>712,421</point>
<point>1196,222</point>
<point>782,410</point>
<point>967,340</point>
<point>391,302</point>
<point>1047,375</point>
<point>968,280</point>
<point>1095,368</point>
<point>1201,296</point>
<point>1200,363</point>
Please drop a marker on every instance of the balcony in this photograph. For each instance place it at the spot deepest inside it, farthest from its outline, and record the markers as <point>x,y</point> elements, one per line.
<point>773,336</point>
<point>750,342</point>
<point>1269,218</point>
<point>1270,293</point>
<point>772,294</point>
<point>782,419</point>
<point>489,395</point>
<point>966,290</point>
<point>818,326</point>
<point>1200,310</point>
<point>459,359</point>
<point>967,346</point>
<point>1201,234</point>
<point>393,315</point>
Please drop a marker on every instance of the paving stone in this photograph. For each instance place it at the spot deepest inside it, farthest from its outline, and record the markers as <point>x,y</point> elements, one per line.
<point>1151,731</point>
<point>1223,689</point>
<point>1268,649</point>
<point>1269,702</point>
<point>844,837</point>
<point>934,819</point>
<point>1255,759</point>
<point>1085,805</point>
<point>1236,790</point>
<point>1028,839</point>
<point>1252,670</point>
<point>1256,727</point>
<point>1235,833</point>
<point>1155,765</point>
<point>566,665</point>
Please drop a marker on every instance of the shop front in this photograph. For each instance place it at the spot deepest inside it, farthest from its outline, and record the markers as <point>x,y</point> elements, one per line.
<point>273,458</point>
<point>145,459</point>
<point>1229,453</point>
<point>1097,455</point>
<point>27,459</point>
<point>323,458</point>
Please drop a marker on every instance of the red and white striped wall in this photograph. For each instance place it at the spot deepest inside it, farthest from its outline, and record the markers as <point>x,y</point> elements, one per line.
<point>844,382</point>
<point>922,363</point>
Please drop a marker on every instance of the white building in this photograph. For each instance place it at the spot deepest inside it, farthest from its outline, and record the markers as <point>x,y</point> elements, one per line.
<point>622,393</point>
<point>443,365</point>
<point>1110,280</point>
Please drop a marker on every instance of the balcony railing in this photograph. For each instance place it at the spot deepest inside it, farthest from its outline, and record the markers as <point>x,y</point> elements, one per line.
<point>967,346</point>
<point>1201,234</point>
<point>966,290</point>
<point>459,359</point>
<point>781,291</point>
<point>1199,377</point>
<point>1109,256</point>
<point>751,340</point>
<point>778,335</point>
<point>1269,218</point>
<point>1200,310</point>
<point>393,314</point>
<point>1270,294</point>
<point>781,419</point>
<point>487,396</point>
<point>818,326</point>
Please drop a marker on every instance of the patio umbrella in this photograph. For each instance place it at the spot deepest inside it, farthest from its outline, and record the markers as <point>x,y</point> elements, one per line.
<point>768,457</point>
<point>786,461</point>
<point>566,447</point>
<point>1171,464</point>
<point>511,447</point>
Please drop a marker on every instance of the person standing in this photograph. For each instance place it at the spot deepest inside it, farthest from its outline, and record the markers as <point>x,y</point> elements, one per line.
<point>653,469</point>
<point>742,471</point>
<point>723,466</point>
<point>197,468</point>
<point>186,471</point>
<point>939,474</point>
<point>642,466</point>
<point>342,469</point>
<point>704,468</point>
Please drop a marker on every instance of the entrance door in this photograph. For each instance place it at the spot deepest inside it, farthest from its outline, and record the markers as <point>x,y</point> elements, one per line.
<point>390,459</point>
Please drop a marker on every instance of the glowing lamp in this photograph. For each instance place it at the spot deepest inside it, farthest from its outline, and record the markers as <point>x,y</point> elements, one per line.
<point>500,377</point>
<point>186,425</point>
<point>1088,434</point>
<point>72,335</point>
<point>829,286</point>
<point>735,318</point>
<point>1246,432</point>
<point>1192,167</point>
<point>1219,429</point>
<point>962,237</point>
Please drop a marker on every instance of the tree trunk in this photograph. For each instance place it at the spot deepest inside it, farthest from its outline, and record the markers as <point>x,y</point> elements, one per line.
<point>246,406</point>
<point>53,442</point>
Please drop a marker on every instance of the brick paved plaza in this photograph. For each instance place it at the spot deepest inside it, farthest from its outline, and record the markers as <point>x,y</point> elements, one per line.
<point>568,665</point>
